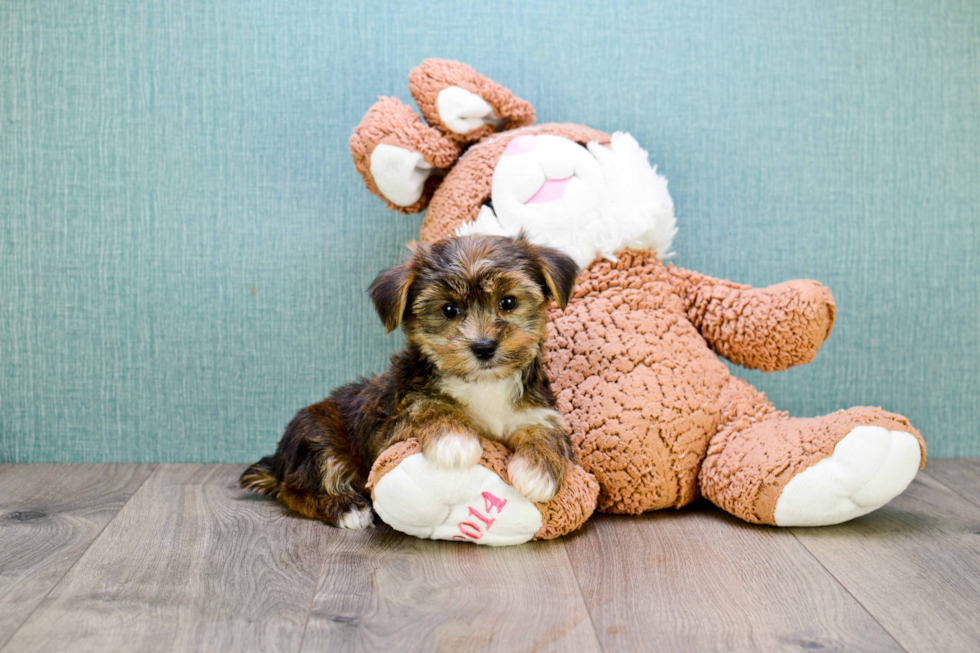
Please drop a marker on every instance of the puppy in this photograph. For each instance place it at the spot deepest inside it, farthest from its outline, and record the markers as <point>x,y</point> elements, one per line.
<point>473,310</point>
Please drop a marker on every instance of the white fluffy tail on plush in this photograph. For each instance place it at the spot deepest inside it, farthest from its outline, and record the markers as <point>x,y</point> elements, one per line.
<point>638,211</point>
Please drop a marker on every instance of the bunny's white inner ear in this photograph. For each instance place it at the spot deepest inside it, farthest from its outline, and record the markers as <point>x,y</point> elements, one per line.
<point>462,111</point>
<point>399,174</point>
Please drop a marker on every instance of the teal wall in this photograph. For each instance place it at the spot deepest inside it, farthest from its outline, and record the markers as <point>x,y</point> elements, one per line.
<point>184,243</point>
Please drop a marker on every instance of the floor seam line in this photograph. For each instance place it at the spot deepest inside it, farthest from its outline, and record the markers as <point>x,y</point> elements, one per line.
<point>578,584</point>
<point>153,471</point>
<point>951,489</point>
<point>309,610</point>
<point>846,589</point>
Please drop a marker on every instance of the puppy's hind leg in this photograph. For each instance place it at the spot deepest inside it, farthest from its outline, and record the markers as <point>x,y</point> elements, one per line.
<point>347,510</point>
<point>318,472</point>
<point>324,489</point>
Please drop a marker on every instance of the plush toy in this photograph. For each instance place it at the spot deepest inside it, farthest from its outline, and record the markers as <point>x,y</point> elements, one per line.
<point>654,414</point>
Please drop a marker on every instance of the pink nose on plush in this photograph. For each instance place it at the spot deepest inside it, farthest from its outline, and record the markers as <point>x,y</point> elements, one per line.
<point>550,191</point>
<point>520,145</point>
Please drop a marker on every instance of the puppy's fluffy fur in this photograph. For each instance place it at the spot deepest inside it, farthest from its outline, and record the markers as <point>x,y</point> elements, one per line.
<point>473,310</point>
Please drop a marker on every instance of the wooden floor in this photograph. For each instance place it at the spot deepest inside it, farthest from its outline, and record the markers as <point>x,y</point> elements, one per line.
<point>175,558</point>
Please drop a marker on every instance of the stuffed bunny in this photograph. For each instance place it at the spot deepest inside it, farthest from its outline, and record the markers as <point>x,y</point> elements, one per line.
<point>654,414</point>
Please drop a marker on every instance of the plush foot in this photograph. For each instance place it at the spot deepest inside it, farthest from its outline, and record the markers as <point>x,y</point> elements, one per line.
<point>428,500</point>
<point>414,495</point>
<point>356,519</point>
<point>868,468</point>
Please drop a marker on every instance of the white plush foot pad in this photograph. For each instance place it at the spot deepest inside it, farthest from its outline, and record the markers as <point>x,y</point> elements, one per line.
<point>469,505</point>
<point>869,467</point>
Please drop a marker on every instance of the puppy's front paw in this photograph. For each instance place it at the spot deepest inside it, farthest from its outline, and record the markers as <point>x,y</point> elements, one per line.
<point>454,451</point>
<point>531,479</point>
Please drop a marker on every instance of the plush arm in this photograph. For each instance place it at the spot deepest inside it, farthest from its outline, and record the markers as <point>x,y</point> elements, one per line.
<point>768,329</point>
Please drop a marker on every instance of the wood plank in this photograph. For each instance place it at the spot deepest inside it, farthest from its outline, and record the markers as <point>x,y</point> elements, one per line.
<point>49,516</point>
<point>961,475</point>
<point>914,564</point>
<point>383,591</point>
<point>191,563</point>
<point>699,579</point>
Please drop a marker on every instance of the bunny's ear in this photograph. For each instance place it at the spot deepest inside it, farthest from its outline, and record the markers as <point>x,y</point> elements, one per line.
<point>397,154</point>
<point>463,104</point>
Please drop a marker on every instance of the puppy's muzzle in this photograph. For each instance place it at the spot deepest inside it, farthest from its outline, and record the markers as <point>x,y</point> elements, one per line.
<point>483,349</point>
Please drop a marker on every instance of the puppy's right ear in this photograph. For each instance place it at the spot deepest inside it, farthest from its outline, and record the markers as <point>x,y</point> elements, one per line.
<point>389,290</point>
<point>389,293</point>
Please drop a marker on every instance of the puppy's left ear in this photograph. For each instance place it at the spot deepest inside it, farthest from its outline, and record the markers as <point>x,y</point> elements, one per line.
<point>559,270</point>
<point>559,273</point>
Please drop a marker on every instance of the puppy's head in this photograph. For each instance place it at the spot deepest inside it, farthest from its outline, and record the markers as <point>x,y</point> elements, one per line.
<point>476,306</point>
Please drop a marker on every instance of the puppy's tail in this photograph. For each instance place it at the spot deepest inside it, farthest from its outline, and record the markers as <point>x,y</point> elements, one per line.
<point>260,478</point>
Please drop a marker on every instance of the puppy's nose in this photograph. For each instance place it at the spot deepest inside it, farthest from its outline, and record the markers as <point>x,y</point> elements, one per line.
<point>484,349</point>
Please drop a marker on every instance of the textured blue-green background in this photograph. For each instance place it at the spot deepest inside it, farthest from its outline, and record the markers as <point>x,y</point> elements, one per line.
<point>184,243</point>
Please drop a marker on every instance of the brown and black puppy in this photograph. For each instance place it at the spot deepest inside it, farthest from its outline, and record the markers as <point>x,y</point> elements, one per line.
<point>473,310</point>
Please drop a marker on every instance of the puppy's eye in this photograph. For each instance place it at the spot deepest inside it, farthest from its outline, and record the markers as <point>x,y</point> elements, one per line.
<point>508,303</point>
<point>449,311</point>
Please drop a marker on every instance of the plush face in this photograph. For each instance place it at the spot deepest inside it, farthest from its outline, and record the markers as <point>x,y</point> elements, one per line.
<point>584,201</point>
<point>475,305</point>
<point>566,186</point>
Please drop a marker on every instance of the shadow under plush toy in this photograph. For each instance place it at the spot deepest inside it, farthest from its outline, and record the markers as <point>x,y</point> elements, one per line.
<point>654,414</point>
